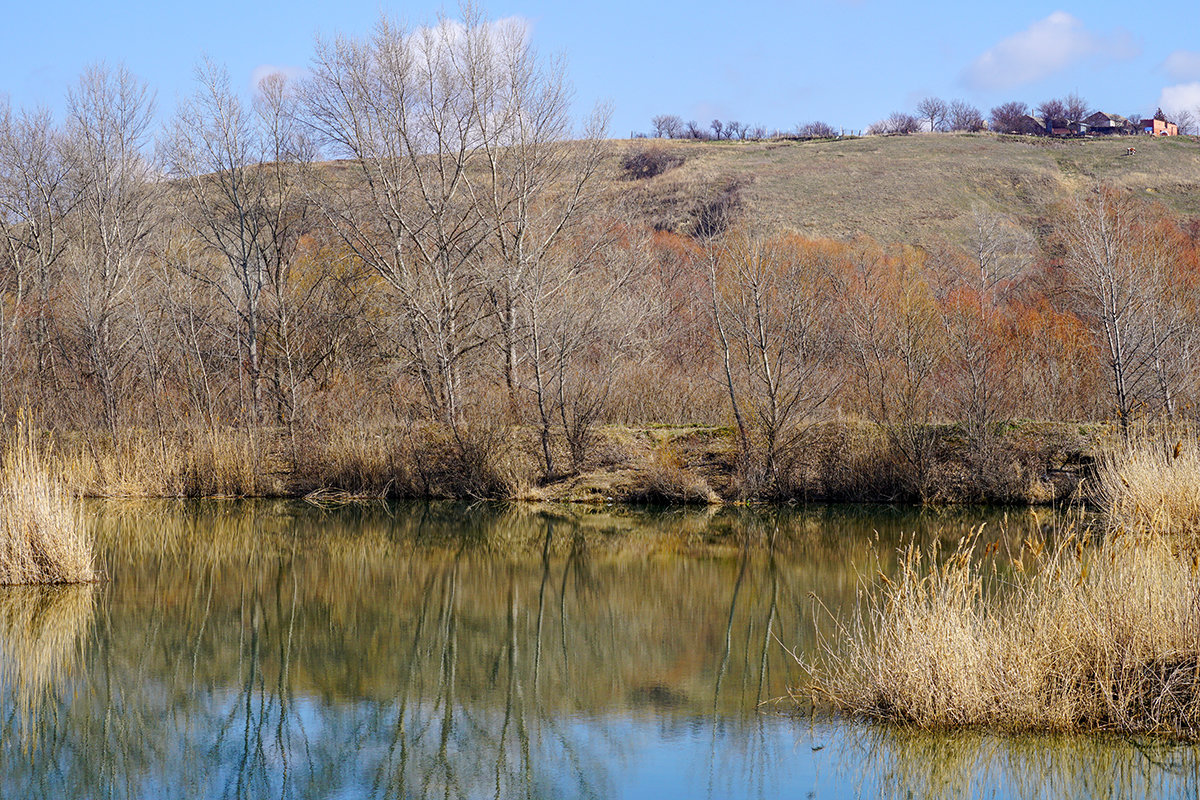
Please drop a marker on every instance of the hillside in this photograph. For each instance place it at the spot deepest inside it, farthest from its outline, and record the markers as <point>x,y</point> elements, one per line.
<point>914,189</point>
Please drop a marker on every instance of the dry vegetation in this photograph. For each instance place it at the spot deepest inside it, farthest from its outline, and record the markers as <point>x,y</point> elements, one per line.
<point>43,538</point>
<point>354,288</point>
<point>1076,631</point>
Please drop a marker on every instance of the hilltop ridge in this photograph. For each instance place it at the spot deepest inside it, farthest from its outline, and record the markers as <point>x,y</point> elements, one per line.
<point>916,189</point>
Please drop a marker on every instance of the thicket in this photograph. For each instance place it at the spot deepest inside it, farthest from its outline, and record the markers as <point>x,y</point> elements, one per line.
<point>457,290</point>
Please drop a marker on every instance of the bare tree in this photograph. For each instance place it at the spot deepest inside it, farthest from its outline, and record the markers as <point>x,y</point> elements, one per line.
<point>771,305</point>
<point>537,180</point>
<point>667,125</point>
<point>1075,107</point>
<point>816,130</point>
<point>897,123</point>
<point>35,197</point>
<point>108,121</point>
<point>694,130</point>
<point>718,128</point>
<point>965,117</point>
<point>935,111</point>
<point>1054,109</point>
<point>1001,254</point>
<point>575,344</point>
<point>1006,118</point>
<point>235,171</point>
<point>1186,121</point>
<point>1120,270</point>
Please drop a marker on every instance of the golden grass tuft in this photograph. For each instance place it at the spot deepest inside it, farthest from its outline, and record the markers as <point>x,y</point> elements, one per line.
<point>1078,636</point>
<point>1152,484</point>
<point>42,534</point>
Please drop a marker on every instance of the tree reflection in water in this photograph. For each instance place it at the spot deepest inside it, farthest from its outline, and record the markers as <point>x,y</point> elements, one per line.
<point>278,650</point>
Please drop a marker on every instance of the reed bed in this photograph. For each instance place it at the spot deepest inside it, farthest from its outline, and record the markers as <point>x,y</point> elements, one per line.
<point>1152,484</point>
<point>1083,635</point>
<point>43,538</point>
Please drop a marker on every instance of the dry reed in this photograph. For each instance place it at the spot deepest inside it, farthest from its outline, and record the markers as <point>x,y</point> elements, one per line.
<point>1152,483</point>
<point>1079,636</point>
<point>42,535</point>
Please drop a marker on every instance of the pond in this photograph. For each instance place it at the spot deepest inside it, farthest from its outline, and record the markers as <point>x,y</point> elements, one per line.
<point>277,649</point>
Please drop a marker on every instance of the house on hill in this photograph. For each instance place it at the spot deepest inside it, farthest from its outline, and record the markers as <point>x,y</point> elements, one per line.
<point>1158,125</point>
<point>1030,125</point>
<point>1108,124</point>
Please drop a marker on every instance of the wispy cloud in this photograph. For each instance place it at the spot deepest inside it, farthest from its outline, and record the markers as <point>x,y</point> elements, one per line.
<point>1047,46</point>
<point>1183,65</point>
<point>263,70</point>
<point>1181,97</point>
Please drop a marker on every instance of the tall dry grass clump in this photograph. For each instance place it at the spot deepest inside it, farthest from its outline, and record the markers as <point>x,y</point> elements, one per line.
<point>1152,483</point>
<point>1079,636</point>
<point>42,534</point>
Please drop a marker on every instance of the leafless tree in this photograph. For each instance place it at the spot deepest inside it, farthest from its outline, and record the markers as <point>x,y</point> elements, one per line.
<point>400,105</point>
<point>897,123</point>
<point>35,197</point>
<point>1001,255</point>
<point>235,170</point>
<point>537,180</point>
<point>694,130</point>
<point>1186,121</point>
<point>1005,118</point>
<point>667,125</point>
<point>771,305</point>
<point>575,344</point>
<point>109,114</point>
<point>1120,270</point>
<point>816,130</point>
<point>965,117</point>
<point>718,128</point>
<point>1075,107</point>
<point>935,111</point>
<point>1053,109</point>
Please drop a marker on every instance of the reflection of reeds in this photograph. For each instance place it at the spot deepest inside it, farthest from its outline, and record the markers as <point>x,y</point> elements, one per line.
<point>907,763</point>
<point>42,535</point>
<point>40,631</point>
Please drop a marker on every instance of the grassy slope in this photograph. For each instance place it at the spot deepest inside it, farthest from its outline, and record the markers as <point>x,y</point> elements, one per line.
<point>918,189</point>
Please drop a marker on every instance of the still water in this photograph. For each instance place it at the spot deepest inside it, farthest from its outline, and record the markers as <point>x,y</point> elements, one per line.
<point>280,650</point>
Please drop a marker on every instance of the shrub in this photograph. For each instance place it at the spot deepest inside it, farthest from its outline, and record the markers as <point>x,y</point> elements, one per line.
<point>42,535</point>
<point>1078,636</point>
<point>648,162</point>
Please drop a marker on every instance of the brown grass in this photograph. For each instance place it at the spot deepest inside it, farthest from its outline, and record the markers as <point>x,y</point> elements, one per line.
<point>917,189</point>
<point>1152,483</point>
<point>1077,636</point>
<point>42,535</point>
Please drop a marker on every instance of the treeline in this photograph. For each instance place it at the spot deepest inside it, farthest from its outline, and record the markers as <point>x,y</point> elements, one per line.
<point>413,239</point>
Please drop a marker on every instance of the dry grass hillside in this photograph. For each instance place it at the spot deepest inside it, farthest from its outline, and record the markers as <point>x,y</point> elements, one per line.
<point>914,189</point>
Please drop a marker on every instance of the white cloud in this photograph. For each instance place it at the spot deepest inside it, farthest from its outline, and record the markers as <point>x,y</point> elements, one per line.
<point>263,70</point>
<point>1044,48</point>
<point>1181,97</point>
<point>1183,65</point>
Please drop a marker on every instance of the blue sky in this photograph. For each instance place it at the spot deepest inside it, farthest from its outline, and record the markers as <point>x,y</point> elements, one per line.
<point>847,62</point>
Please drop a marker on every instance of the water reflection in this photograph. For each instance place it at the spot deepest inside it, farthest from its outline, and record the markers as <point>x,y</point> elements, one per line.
<point>903,764</point>
<point>41,628</point>
<point>277,650</point>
